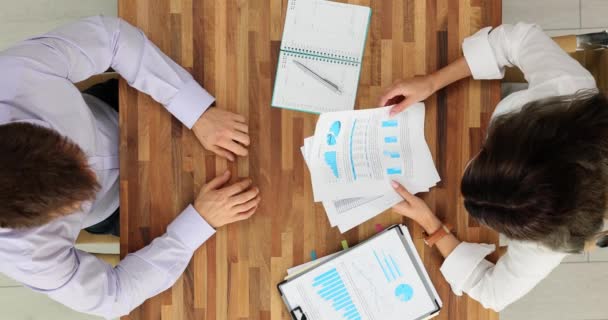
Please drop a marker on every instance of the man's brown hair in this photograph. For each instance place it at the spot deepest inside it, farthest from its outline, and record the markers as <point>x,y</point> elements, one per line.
<point>542,173</point>
<point>42,175</point>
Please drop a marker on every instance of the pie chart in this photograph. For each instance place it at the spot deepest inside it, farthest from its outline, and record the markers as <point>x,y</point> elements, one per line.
<point>404,292</point>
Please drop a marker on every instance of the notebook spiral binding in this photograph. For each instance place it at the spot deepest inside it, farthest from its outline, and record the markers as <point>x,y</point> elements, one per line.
<point>318,58</point>
<point>321,53</point>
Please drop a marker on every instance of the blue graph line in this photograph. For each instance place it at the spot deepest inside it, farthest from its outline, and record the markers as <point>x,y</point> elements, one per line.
<point>331,159</point>
<point>390,268</point>
<point>340,299</point>
<point>382,267</point>
<point>391,171</point>
<point>352,162</point>
<point>325,275</point>
<point>352,312</point>
<point>333,289</point>
<point>390,139</point>
<point>335,128</point>
<point>389,123</point>
<point>391,154</point>
<point>335,293</point>
<point>332,286</point>
<point>343,303</point>
<point>331,139</point>
<point>395,265</point>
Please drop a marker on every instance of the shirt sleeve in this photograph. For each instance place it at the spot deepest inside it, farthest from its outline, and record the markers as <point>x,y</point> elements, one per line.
<point>497,285</point>
<point>85,283</point>
<point>525,46</point>
<point>91,46</point>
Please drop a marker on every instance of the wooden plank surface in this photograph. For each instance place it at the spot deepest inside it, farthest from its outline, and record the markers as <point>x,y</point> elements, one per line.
<point>231,48</point>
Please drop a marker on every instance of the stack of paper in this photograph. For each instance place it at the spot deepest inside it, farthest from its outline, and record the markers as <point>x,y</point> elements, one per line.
<point>354,156</point>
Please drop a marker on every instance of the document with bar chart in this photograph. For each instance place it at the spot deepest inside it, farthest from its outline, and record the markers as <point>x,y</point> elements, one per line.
<point>380,279</point>
<point>355,153</point>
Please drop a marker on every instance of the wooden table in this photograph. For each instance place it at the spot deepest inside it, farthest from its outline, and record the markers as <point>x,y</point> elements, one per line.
<point>231,48</point>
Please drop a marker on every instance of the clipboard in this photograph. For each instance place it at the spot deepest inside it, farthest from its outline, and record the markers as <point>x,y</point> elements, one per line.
<point>392,281</point>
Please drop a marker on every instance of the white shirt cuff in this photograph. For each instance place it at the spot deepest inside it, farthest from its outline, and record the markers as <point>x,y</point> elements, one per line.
<point>461,263</point>
<point>190,103</point>
<point>190,228</point>
<point>480,56</point>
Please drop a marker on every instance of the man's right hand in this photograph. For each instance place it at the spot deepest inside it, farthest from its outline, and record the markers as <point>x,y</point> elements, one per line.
<point>220,205</point>
<point>222,132</point>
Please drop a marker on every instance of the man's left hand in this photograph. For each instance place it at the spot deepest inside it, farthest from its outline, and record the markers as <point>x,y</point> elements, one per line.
<point>223,133</point>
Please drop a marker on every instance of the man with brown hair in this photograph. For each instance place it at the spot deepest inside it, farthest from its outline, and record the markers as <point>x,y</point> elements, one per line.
<point>59,165</point>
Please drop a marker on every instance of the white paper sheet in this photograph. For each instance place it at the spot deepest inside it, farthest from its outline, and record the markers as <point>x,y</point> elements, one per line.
<point>297,90</point>
<point>375,281</point>
<point>357,153</point>
<point>326,28</point>
<point>348,213</point>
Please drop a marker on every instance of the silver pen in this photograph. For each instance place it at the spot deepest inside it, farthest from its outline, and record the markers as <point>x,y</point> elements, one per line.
<point>315,75</point>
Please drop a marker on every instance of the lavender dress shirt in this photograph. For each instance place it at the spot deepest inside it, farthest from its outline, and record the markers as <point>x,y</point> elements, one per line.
<point>36,86</point>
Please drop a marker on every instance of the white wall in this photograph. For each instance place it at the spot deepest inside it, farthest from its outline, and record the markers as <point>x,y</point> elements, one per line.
<point>20,19</point>
<point>559,17</point>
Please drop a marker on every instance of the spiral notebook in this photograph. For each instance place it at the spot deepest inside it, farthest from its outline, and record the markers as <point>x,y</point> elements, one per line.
<point>329,39</point>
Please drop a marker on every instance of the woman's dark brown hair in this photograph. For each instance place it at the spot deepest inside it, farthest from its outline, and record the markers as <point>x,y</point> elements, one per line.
<point>41,175</point>
<point>542,173</point>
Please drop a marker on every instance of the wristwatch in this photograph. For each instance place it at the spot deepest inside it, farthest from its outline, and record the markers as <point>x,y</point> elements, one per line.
<point>432,239</point>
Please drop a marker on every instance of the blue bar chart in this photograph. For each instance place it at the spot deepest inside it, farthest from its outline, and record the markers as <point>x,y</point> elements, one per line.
<point>390,123</point>
<point>332,289</point>
<point>388,265</point>
<point>391,139</point>
<point>392,154</point>
<point>331,159</point>
<point>393,171</point>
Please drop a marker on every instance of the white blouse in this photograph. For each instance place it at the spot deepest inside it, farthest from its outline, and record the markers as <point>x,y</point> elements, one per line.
<point>549,72</point>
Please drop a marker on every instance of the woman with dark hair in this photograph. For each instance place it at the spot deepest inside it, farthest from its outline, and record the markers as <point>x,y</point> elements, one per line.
<point>541,178</point>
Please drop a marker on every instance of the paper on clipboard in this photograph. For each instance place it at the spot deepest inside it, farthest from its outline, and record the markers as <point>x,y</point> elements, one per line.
<point>377,280</point>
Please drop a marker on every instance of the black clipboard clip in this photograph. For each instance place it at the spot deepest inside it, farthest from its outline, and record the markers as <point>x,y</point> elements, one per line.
<point>298,314</point>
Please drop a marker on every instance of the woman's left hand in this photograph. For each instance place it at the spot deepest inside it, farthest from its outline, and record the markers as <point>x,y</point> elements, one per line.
<point>416,209</point>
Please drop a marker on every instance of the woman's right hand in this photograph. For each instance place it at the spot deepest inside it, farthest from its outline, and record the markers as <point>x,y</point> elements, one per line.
<point>409,91</point>
<point>416,209</point>
<point>220,205</point>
